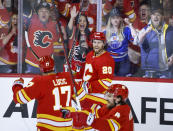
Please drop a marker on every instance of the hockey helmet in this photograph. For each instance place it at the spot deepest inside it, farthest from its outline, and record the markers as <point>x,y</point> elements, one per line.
<point>46,64</point>
<point>98,36</point>
<point>119,90</point>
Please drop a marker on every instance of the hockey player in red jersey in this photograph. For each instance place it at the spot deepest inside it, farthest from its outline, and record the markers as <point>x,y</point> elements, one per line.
<point>98,72</point>
<point>114,116</point>
<point>52,91</point>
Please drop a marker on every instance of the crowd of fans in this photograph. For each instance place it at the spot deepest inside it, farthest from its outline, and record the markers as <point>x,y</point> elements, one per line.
<point>138,35</point>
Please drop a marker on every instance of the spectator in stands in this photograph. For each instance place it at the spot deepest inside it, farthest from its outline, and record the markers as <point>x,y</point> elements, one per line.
<point>171,20</point>
<point>167,8</point>
<point>79,41</point>
<point>4,14</point>
<point>89,7</point>
<point>41,32</point>
<point>118,37</point>
<point>8,50</point>
<point>156,45</point>
<point>143,16</point>
<point>129,8</point>
<point>142,19</point>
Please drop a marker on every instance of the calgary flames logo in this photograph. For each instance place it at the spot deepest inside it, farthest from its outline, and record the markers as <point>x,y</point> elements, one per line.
<point>79,54</point>
<point>42,38</point>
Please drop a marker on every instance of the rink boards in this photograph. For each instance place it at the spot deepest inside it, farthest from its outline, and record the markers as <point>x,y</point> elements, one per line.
<point>151,101</point>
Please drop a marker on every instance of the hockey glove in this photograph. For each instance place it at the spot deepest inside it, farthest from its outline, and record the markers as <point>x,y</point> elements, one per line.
<point>19,81</point>
<point>65,113</point>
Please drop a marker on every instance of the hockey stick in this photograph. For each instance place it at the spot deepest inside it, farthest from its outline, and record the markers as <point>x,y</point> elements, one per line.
<point>67,60</point>
<point>29,46</point>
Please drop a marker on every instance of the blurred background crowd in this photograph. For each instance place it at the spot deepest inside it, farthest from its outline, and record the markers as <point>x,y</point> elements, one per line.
<point>139,34</point>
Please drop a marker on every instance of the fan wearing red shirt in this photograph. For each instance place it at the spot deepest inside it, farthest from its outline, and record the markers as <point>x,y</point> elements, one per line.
<point>41,34</point>
<point>4,14</point>
<point>52,91</point>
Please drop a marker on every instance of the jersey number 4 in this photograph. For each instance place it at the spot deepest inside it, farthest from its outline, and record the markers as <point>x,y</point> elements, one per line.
<point>57,93</point>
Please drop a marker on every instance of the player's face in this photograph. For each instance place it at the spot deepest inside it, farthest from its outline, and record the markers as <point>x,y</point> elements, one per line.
<point>82,23</point>
<point>98,46</point>
<point>116,20</point>
<point>43,14</point>
<point>156,19</point>
<point>110,100</point>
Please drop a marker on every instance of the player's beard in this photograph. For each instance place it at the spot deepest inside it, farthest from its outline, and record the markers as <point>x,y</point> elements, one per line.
<point>110,106</point>
<point>98,51</point>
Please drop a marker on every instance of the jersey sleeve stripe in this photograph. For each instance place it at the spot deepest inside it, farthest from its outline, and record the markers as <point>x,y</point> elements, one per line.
<point>115,124</point>
<point>111,125</point>
<point>95,109</point>
<point>25,95</point>
<point>53,128</point>
<point>21,97</point>
<point>18,99</point>
<point>103,85</point>
<point>81,95</point>
<point>50,117</point>
<point>107,82</point>
<point>94,98</point>
<point>55,123</point>
<point>107,79</point>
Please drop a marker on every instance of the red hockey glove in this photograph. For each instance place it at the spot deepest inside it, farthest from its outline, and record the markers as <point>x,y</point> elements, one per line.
<point>81,119</point>
<point>19,81</point>
<point>17,85</point>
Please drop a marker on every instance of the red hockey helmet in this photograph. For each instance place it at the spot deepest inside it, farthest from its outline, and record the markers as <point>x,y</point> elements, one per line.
<point>98,36</point>
<point>46,64</point>
<point>119,90</point>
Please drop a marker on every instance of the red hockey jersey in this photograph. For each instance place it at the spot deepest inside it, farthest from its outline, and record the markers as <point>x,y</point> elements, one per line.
<point>4,17</point>
<point>52,93</point>
<point>8,52</point>
<point>41,38</point>
<point>110,119</point>
<point>98,71</point>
